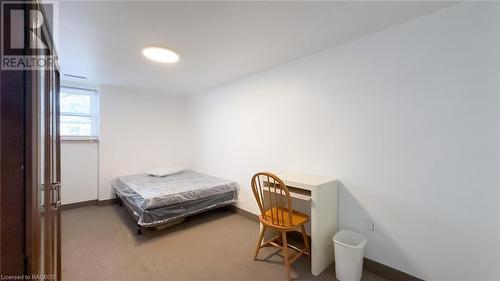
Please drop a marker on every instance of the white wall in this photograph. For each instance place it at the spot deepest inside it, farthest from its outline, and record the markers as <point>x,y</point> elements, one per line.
<point>406,118</point>
<point>79,171</point>
<point>79,164</point>
<point>138,131</point>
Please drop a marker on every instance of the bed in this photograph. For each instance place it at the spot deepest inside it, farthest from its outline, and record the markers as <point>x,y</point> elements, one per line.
<point>155,201</point>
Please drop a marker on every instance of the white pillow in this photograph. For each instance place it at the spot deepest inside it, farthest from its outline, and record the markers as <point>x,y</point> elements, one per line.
<point>161,172</point>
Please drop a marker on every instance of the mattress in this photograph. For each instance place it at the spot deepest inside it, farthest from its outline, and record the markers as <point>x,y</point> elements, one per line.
<point>157,200</point>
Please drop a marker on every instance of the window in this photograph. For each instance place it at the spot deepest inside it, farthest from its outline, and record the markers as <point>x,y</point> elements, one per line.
<point>79,113</point>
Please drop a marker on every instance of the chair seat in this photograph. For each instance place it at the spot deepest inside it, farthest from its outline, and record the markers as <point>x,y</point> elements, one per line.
<point>298,218</point>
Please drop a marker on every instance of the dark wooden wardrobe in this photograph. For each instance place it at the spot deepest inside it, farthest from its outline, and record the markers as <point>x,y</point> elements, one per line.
<point>30,224</point>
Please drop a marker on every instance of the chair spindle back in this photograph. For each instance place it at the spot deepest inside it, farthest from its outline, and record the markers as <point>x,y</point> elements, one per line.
<point>272,194</point>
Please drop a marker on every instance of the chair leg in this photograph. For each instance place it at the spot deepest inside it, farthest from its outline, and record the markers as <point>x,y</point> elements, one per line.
<point>306,242</point>
<point>259,243</point>
<point>285,254</point>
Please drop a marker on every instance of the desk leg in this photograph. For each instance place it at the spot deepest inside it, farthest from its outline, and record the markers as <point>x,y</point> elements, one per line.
<point>323,226</point>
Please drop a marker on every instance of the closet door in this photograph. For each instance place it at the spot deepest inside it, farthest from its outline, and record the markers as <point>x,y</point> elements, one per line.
<point>30,230</point>
<point>52,178</point>
<point>55,166</point>
<point>49,168</point>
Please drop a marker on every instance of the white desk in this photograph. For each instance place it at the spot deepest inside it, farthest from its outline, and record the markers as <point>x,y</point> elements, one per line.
<point>320,196</point>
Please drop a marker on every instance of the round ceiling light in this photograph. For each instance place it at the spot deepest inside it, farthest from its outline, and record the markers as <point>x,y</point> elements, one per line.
<point>160,54</point>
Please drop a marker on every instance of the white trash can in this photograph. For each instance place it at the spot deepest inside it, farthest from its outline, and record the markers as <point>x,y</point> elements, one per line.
<point>349,248</point>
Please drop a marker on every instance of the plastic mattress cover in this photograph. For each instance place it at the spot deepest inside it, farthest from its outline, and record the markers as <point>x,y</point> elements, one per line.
<point>166,214</point>
<point>149,192</point>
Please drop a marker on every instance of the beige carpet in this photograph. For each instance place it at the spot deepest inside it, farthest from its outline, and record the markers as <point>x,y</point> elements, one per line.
<point>99,243</point>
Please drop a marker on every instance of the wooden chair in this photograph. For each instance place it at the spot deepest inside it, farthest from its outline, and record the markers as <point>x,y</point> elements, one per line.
<point>275,206</point>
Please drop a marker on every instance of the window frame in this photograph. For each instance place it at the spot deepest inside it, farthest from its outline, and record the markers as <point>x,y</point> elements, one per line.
<point>94,112</point>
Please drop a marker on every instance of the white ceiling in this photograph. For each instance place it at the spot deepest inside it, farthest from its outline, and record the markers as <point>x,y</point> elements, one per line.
<point>218,42</point>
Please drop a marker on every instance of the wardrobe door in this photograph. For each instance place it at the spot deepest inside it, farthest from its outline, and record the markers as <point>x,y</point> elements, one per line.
<point>30,231</point>
<point>52,179</point>
<point>50,171</point>
<point>12,228</point>
<point>54,212</point>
